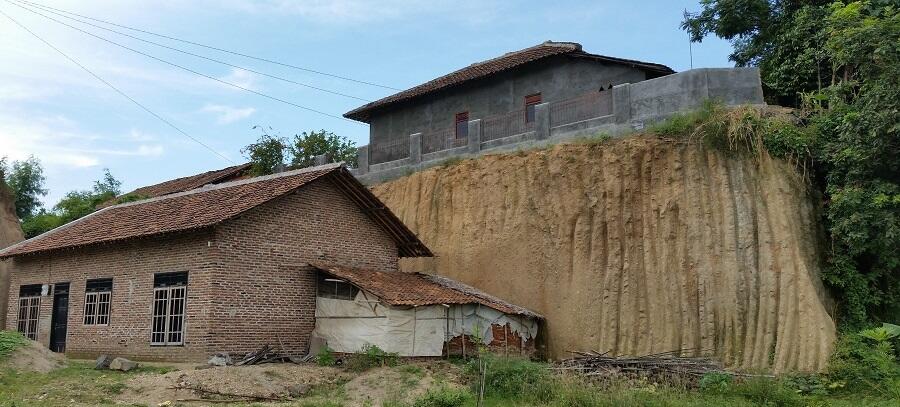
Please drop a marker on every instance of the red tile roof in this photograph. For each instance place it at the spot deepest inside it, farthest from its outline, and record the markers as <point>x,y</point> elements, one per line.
<point>208,206</point>
<point>483,69</point>
<point>183,184</point>
<point>418,289</point>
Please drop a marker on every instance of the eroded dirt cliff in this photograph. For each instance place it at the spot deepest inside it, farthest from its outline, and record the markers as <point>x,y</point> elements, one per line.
<point>10,233</point>
<point>635,246</point>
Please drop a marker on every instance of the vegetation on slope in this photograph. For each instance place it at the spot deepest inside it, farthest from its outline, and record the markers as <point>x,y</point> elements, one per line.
<point>838,62</point>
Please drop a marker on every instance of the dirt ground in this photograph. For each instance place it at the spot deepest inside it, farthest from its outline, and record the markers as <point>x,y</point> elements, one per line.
<point>285,382</point>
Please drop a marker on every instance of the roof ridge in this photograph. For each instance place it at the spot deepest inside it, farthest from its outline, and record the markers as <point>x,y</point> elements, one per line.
<point>213,187</point>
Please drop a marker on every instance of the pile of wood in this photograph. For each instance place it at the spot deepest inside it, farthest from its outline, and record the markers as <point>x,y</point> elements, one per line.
<point>265,354</point>
<point>659,366</point>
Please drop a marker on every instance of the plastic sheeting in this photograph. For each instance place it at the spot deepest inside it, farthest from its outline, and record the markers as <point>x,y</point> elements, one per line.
<point>348,326</point>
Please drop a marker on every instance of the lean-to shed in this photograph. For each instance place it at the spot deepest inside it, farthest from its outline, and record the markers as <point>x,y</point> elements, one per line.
<point>415,314</point>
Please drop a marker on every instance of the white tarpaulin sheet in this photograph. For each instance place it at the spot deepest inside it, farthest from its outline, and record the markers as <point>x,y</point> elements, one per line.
<point>348,326</point>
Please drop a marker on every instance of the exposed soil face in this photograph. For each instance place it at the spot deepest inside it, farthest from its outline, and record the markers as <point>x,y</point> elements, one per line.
<point>636,246</point>
<point>34,357</point>
<point>10,233</point>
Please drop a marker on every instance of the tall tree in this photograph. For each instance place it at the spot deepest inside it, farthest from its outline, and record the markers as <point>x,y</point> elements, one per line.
<point>26,179</point>
<point>74,205</point>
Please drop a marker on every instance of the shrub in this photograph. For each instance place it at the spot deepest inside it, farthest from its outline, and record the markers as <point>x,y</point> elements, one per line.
<point>325,357</point>
<point>716,383</point>
<point>371,356</point>
<point>768,392</point>
<point>9,341</point>
<point>865,361</point>
<point>509,377</point>
<point>444,397</point>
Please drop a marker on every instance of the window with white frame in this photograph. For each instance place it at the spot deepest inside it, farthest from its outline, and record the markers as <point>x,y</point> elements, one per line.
<point>169,297</point>
<point>97,296</point>
<point>29,310</point>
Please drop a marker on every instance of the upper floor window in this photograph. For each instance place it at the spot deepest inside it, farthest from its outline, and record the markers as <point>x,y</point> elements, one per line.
<point>169,296</point>
<point>97,295</point>
<point>335,288</point>
<point>462,125</point>
<point>29,310</point>
<point>530,102</point>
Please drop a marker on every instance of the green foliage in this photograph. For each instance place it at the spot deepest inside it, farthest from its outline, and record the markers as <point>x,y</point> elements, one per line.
<point>10,341</point>
<point>271,152</point>
<point>371,356</point>
<point>26,179</point>
<point>72,206</point>
<point>307,145</point>
<point>838,60</point>
<point>865,361</point>
<point>267,154</point>
<point>325,357</point>
<point>716,383</point>
<point>507,377</point>
<point>444,397</point>
<point>808,384</point>
<point>768,392</point>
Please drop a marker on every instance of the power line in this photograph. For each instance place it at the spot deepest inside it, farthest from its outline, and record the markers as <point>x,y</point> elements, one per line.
<point>111,86</point>
<point>197,55</point>
<point>217,48</point>
<point>188,69</point>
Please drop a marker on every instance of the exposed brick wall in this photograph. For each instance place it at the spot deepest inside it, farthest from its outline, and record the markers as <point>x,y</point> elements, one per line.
<point>244,286</point>
<point>131,266</point>
<point>264,298</point>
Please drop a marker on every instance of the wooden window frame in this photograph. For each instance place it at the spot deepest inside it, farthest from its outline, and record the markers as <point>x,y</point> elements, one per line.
<point>168,313</point>
<point>97,302</point>
<point>29,316</point>
<point>461,117</point>
<point>531,101</point>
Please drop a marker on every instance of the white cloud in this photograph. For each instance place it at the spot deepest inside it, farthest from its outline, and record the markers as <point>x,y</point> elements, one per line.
<point>240,77</point>
<point>228,114</point>
<point>359,11</point>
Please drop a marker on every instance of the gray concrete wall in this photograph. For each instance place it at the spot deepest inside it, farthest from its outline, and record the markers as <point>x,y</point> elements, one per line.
<point>635,106</point>
<point>555,79</point>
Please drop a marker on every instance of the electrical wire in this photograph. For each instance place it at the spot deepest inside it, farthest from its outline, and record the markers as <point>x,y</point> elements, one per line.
<point>111,86</point>
<point>189,69</point>
<point>217,48</point>
<point>197,55</point>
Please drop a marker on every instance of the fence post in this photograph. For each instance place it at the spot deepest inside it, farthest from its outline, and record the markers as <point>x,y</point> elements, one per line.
<point>474,137</point>
<point>362,159</point>
<point>622,103</point>
<point>415,148</point>
<point>542,121</point>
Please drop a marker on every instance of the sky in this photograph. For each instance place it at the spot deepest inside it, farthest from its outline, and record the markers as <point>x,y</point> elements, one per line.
<point>77,126</point>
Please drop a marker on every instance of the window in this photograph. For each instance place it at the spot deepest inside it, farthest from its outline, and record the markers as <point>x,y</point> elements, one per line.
<point>29,309</point>
<point>329,287</point>
<point>97,294</point>
<point>530,102</point>
<point>462,125</point>
<point>169,296</point>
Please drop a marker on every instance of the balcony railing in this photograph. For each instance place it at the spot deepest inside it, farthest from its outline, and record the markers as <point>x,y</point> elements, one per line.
<point>439,140</point>
<point>505,125</point>
<point>589,106</point>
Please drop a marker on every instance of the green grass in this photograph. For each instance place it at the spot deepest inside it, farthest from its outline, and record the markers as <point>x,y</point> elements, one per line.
<point>77,384</point>
<point>9,341</point>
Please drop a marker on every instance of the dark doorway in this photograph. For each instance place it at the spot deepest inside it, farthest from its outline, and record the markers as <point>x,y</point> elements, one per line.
<point>60,319</point>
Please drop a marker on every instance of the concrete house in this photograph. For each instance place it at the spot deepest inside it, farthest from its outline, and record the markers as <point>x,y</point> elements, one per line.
<point>224,267</point>
<point>509,85</point>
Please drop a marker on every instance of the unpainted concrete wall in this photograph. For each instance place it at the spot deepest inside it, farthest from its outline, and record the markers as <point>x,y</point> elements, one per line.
<point>556,78</point>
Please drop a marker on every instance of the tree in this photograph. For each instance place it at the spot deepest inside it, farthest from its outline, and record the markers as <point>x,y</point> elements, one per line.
<point>26,179</point>
<point>267,154</point>
<point>306,146</point>
<point>74,205</point>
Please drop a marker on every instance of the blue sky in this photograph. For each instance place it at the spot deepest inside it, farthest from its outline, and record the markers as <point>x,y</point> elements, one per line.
<point>76,126</point>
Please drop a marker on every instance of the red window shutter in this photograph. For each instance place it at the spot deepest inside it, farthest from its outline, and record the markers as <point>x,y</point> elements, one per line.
<point>462,125</point>
<point>530,102</point>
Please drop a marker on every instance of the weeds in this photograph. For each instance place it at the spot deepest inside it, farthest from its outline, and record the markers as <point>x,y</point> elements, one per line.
<point>325,357</point>
<point>371,356</point>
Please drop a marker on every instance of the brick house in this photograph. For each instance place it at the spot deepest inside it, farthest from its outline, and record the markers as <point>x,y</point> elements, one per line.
<point>217,268</point>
